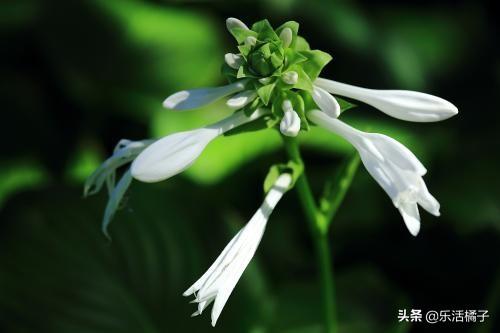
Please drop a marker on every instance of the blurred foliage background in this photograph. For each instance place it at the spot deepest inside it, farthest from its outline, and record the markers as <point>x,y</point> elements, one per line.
<point>77,76</point>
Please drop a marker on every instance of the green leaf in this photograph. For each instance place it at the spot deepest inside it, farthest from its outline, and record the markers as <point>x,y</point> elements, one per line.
<point>337,187</point>
<point>240,34</point>
<point>265,31</point>
<point>316,60</point>
<point>301,44</point>
<point>304,82</point>
<point>344,105</point>
<point>265,92</point>
<point>293,57</point>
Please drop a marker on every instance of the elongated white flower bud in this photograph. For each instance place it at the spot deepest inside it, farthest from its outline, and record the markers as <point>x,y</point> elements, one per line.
<point>218,282</point>
<point>241,99</point>
<point>195,98</point>
<point>286,36</point>
<point>290,77</point>
<point>232,23</point>
<point>233,60</point>
<point>392,165</point>
<point>402,104</point>
<point>176,152</point>
<point>290,123</point>
<point>326,102</point>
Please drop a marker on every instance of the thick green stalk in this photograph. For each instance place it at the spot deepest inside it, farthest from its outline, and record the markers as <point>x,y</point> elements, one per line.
<point>317,225</point>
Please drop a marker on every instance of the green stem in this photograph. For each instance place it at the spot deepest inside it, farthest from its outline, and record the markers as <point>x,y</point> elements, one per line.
<point>319,231</point>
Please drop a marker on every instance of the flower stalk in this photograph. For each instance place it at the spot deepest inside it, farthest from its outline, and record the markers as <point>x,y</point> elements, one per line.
<point>319,233</point>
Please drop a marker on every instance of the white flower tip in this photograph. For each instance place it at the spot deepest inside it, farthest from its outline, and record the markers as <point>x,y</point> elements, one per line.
<point>290,124</point>
<point>290,77</point>
<point>175,100</point>
<point>286,36</point>
<point>232,23</point>
<point>240,100</point>
<point>326,102</point>
<point>233,60</point>
<point>287,105</point>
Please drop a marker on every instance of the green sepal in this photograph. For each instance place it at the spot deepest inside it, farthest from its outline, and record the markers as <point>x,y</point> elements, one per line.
<point>265,92</point>
<point>265,31</point>
<point>294,26</point>
<point>316,60</point>
<point>244,50</point>
<point>250,108</point>
<point>240,34</point>
<point>293,168</point>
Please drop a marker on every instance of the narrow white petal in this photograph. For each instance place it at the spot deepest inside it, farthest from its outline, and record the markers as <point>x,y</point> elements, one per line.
<point>326,102</point>
<point>232,23</point>
<point>192,99</point>
<point>411,217</point>
<point>336,126</point>
<point>241,99</point>
<point>402,104</point>
<point>233,60</point>
<point>286,36</point>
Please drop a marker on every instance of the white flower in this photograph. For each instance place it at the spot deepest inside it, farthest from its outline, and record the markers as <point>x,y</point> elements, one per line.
<point>176,152</point>
<point>290,123</point>
<point>286,36</point>
<point>233,60</point>
<point>220,279</point>
<point>195,98</point>
<point>393,166</point>
<point>401,104</point>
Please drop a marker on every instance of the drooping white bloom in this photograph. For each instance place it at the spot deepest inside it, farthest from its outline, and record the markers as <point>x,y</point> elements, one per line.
<point>290,123</point>
<point>241,99</point>
<point>124,152</point>
<point>176,152</point>
<point>393,166</point>
<point>326,102</point>
<point>402,104</point>
<point>195,98</point>
<point>220,279</point>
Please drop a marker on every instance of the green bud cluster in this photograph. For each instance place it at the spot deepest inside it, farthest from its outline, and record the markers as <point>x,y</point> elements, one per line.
<point>278,64</point>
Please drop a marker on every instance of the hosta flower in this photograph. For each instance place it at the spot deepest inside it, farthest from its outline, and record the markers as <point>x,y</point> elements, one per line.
<point>218,282</point>
<point>273,81</point>
<point>392,165</point>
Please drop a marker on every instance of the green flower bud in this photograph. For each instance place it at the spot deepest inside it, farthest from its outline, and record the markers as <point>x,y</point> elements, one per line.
<point>265,59</point>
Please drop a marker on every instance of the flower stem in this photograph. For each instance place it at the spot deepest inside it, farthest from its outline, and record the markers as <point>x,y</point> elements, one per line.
<point>319,231</point>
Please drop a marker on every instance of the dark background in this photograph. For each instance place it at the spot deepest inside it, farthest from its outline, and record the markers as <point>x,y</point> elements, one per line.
<point>77,76</point>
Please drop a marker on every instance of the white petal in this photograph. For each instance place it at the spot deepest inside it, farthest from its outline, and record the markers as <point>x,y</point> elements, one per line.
<point>290,123</point>
<point>233,60</point>
<point>192,99</point>
<point>326,102</point>
<point>171,155</point>
<point>232,23</point>
<point>286,36</point>
<point>241,99</point>
<point>402,104</point>
<point>411,217</point>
